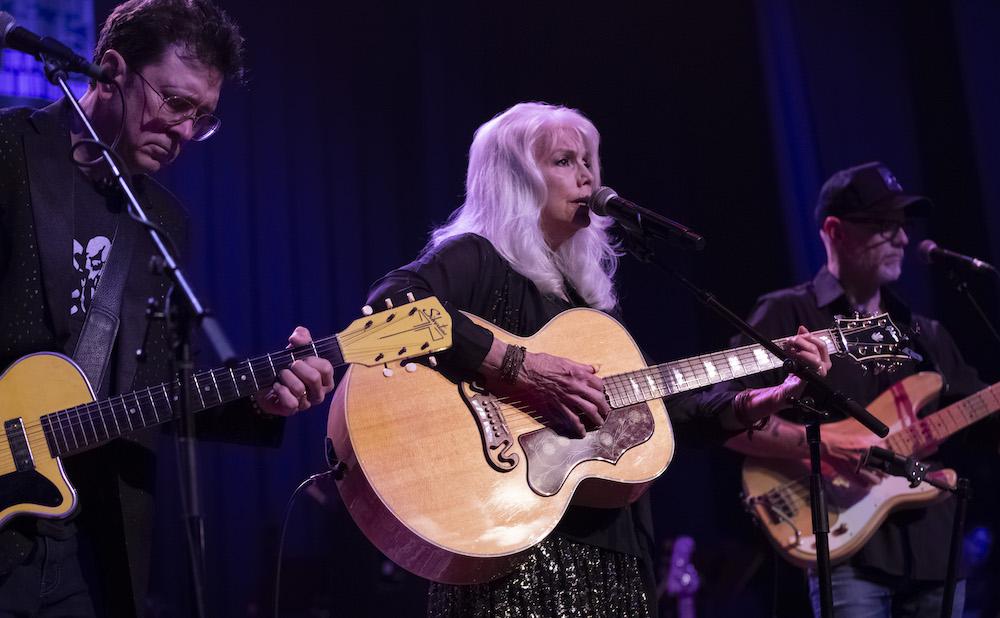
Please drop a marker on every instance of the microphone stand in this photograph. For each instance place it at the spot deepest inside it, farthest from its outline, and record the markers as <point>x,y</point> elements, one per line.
<point>915,471</point>
<point>638,244</point>
<point>190,312</point>
<point>961,285</point>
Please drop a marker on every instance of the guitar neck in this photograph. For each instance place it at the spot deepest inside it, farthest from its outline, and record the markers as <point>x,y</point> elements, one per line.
<point>92,424</point>
<point>937,427</point>
<point>675,377</point>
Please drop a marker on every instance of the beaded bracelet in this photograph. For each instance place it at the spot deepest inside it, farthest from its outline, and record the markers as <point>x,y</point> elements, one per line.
<point>740,412</point>
<point>513,359</point>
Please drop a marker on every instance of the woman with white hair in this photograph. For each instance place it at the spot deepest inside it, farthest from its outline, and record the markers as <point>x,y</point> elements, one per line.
<point>523,248</point>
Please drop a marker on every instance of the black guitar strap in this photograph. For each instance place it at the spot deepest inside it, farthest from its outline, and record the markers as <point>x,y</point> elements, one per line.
<point>97,338</point>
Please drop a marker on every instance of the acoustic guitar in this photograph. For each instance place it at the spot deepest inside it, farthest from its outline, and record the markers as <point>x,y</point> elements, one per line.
<point>454,483</point>
<point>777,490</point>
<point>49,412</point>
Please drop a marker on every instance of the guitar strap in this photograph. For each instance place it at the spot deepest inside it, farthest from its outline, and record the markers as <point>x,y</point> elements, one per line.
<point>97,338</point>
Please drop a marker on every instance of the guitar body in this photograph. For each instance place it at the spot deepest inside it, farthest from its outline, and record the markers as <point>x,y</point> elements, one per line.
<point>454,498</point>
<point>777,490</point>
<point>35,385</point>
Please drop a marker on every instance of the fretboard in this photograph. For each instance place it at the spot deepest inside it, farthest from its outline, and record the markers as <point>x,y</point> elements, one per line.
<point>92,424</point>
<point>675,377</point>
<point>935,428</point>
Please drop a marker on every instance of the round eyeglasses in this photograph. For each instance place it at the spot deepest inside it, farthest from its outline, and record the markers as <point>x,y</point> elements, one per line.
<point>175,109</point>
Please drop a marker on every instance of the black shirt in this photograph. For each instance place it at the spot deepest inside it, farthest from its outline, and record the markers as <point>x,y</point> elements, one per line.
<point>912,543</point>
<point>96,211</point>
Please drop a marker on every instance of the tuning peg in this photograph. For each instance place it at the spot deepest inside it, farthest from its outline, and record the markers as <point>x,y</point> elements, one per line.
<point>410,367</point>
<point>409,297</point>
<point>388,303</point>
<point>433,362</point>
<point>387,372</point>
<point>367,310</point>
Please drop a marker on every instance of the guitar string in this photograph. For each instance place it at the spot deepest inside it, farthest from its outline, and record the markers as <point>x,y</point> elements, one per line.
<point>284,355</point>
<point>329,343</point>
<point>616,387</point>
<point>264,362</point>
<point>946,415</point>
<point>91,408</point>
<point>255,365</point>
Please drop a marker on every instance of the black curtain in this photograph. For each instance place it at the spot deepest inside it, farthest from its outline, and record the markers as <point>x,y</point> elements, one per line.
<point>350,142</point>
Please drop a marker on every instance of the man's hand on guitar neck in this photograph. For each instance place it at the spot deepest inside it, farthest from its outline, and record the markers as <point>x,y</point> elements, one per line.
<point>563,394</point>
<point>305,383</point>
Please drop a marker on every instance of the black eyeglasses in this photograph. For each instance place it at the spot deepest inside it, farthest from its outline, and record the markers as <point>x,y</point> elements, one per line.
<point>886,228</point>
<point>175,110</point>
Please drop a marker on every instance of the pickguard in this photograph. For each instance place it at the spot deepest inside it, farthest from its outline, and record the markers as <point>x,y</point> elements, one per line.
<point>28,487</point>
<point>551,457</point>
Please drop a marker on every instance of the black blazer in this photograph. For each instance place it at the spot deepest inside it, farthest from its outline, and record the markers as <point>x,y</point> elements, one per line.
<point>115,481</point>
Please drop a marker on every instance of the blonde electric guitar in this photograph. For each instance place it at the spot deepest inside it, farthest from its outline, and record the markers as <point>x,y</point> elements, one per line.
<point>777,490</point>
<point>49,412</point>
<point>455,484</point>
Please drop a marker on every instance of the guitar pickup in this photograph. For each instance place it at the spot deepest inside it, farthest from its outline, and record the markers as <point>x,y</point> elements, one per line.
<point>17,440</point>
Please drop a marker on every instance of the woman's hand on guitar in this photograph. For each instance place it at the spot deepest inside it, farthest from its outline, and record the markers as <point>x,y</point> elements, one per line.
<point>563,394</point>
<point>810,351</point>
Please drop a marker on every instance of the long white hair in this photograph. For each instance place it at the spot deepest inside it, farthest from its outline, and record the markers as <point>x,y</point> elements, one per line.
<point>504,194</point>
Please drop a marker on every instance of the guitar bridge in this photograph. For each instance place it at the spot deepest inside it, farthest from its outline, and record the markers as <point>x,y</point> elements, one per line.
<point>17,440</point>
<point>492,425</point>
<point>780,506</point>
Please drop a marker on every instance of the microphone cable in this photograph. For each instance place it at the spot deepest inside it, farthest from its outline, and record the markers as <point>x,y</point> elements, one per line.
<point>284,527</point>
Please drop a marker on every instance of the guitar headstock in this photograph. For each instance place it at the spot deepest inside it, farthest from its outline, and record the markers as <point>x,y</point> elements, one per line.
<point>417,328</point>
<point>874,338</point>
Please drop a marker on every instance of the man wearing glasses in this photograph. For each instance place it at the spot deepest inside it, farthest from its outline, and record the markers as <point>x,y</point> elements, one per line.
<point>860,214</point>
<point>60,223</point>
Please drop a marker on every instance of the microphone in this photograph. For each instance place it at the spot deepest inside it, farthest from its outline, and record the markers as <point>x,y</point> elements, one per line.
<point>13,36</point>
<point>894,464</point>
<point>606,202</point>
<point>933,254</point>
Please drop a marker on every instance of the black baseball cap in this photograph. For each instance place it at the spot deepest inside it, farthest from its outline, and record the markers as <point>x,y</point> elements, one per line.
<point>869,190</point>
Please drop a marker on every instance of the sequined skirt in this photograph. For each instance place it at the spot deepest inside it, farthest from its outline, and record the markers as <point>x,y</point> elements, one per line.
<point>560,578</point>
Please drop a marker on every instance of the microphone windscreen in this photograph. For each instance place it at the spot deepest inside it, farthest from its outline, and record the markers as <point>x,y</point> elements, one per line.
<point>598,202</point>
<point>926,248</point>
<point>6,23</point>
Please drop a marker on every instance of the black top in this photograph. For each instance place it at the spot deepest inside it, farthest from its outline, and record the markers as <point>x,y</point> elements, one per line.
<point>911,543</point>
<point>467,274</point>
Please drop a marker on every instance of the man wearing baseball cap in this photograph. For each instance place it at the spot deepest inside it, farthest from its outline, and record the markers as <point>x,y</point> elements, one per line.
<point>861,215</point>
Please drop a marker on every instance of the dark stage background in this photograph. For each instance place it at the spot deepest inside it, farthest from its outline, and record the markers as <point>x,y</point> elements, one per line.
<point>350,142</point>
